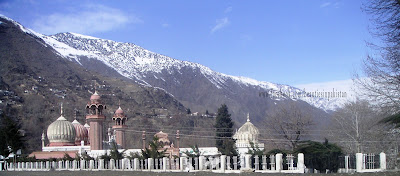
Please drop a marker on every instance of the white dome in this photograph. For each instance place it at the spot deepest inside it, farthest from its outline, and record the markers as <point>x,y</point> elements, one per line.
<point>247,133</point>
<point>61,132</point>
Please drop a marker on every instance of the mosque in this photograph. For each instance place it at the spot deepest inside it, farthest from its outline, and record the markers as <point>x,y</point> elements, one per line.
<point>73,138</point>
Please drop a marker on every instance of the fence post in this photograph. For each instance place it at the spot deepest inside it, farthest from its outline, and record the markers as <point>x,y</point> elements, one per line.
<point>223,162</point>
<point>300,162</point>
<point>278,162</point>
<point>135,164</point>
<point>248,161</point>
<point>181,163</point>
<point>264,162</point>
<point>256,162</point>
<point>150,162</point>
<point>382,159</point>
<point>164,164</point>
<point>359,162</point>
<point>91,164</point>
<point>201,163</point>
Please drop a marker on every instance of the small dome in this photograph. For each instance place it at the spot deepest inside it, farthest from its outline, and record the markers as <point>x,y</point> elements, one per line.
<point>61,132</point>
<point>119,111</point>
<point>162,137</point>
<point>248,127</point>
<point>81,133</point>
<point>86,125</point>
<point>247,133</point>
<point>95,98</point>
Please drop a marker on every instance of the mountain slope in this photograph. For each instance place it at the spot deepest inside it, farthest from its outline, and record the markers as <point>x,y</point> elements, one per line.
<point>35,79</point>
<point>195,85</point>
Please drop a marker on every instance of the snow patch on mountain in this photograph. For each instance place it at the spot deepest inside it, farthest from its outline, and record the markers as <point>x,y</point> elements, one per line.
<point>135,62</point>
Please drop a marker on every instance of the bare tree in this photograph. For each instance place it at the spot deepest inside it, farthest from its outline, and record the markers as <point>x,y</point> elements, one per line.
<point>352,124</point>
<point>383,69</point>
<point>356,127</point>
<point>290,123</point>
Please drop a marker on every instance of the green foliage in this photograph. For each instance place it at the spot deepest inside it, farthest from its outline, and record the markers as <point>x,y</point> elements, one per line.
<point>154,150</point>
<point>26,158</point>
<point>320,156</point>
<point>275,151</point>
<point>67,157</point>
<point>10,135</point>
<point>105,157</point>
<point>86,157</point>
<point>114,153</point>
<point>132,156</point>
<point>224,132</point>
<point>255,150</point>
<point>196,152</point>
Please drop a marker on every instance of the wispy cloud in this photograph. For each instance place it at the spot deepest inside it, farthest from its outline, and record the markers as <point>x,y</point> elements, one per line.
<point>228,9</point>
<point>326,4</point>
<point>221,23</point>
<point>87,20</point>
<point>336,4</point>
<point>165,25</point>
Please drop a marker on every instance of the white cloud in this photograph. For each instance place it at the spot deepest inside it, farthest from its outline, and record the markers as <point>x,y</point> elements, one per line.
<point>221,23</point>
<point>165,25</point>
<point>228,9</point>
<point>88,20</point>
<point>326,4</point>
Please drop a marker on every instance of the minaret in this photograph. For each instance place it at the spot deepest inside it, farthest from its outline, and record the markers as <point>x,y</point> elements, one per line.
<point>43,139</point>
<point>96,118</point>
<point>144,140</point>
<point>177,140</point>
<point>119,126</point>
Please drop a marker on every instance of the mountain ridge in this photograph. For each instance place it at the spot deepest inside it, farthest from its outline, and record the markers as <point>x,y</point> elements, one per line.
<point>193,84</point>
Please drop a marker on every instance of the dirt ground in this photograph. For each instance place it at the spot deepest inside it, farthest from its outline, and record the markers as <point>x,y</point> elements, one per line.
<point>135,173</point>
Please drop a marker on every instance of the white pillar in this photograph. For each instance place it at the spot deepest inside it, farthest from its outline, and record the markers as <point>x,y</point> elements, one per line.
<point>123,164</point>
<point>101,164</point>
<point>74,163</point>
<point>67,164</point>
<point>278,162</point>
<point>300,162</point>
<point>382,159</point>
<point>135,164</point>
<point>60,164</point>
<point>248,161</point>
<point>164,163</point>
<point>201,163</point>
<point>359,162</point>
<point>181,163</point>
<point>91,164</point>
<point>112,164</point>
<point>150,162</point>
<point>223,163</point>
<point>346,163</point>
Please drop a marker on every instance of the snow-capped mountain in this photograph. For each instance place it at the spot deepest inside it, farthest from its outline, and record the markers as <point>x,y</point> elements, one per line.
<point>136,63</point>
<point>196,86</point>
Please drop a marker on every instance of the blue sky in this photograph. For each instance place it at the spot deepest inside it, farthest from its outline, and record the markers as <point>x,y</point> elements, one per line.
<point>288,42</point>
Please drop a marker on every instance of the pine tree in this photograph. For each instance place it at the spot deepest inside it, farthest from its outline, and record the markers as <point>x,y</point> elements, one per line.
<point>224,132</point>
<point>11,136</point>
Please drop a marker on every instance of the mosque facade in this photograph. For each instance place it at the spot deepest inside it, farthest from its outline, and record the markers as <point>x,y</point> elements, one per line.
<point>73,138</point>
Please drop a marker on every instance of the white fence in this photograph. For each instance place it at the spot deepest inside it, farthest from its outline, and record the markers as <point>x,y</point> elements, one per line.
<point>365,163</point>
<point>221,164</point>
